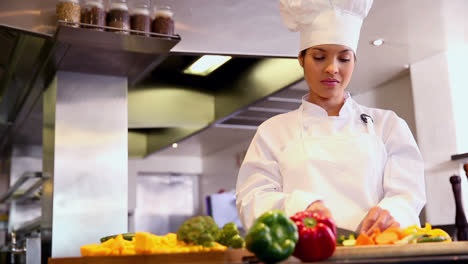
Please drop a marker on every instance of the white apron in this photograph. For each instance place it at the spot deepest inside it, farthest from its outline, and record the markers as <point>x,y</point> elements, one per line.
<point>346,169</point>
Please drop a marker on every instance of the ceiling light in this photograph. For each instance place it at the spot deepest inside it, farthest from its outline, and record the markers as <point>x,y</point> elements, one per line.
<point>206,64</point>
<point>175,145</point>
<point>378,42</point>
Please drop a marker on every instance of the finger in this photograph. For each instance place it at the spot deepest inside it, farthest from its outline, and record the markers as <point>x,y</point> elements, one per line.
<point>394,224</point>
<point>320,208</point>
<point>381,222</point>
<point>370,219</point>
<point>314,206</point>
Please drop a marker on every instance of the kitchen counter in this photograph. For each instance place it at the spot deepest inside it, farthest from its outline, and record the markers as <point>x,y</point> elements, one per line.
<point>456,252</point>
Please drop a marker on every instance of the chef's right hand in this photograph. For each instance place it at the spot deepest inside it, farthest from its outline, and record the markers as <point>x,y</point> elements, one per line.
<point>377,218</point>
<point>319,207</point>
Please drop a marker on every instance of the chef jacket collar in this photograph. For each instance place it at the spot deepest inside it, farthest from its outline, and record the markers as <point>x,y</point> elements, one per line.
<point>312,109</point>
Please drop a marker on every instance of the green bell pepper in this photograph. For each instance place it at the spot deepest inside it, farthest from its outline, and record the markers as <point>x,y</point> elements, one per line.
<point>273,237</point>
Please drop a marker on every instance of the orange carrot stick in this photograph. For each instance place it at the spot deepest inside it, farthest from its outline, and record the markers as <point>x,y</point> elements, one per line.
<point>364,240</point>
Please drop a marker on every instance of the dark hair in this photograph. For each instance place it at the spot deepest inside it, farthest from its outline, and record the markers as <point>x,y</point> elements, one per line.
<point>303,53</point>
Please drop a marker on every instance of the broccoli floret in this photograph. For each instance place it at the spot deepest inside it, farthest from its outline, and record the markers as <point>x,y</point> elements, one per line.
<point>229,236</point>
<point>230,230</point>
<point>236,242</point>
<point>200,230</point>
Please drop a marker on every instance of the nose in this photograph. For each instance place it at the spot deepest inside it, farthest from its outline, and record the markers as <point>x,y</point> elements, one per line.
<point>332,67</point>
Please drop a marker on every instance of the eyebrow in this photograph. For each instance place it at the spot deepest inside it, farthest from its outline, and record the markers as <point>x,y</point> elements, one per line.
<point>343,51</point>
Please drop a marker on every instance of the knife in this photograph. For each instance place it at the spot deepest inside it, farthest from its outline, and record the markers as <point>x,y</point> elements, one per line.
<point>344,232</point>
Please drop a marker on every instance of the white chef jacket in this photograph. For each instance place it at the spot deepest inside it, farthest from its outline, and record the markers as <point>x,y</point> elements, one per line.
<point>264,182</point>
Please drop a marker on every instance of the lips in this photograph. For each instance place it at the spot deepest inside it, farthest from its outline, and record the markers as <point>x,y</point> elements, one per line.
<point>330,82</point>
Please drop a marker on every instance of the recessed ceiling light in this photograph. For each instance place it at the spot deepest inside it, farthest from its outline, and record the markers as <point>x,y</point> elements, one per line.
<point>206,64</point>
<point>175,145</point>
<point>378,42</point>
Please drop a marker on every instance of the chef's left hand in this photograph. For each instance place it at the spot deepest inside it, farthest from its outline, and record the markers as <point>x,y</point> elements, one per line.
<point>377,218</point>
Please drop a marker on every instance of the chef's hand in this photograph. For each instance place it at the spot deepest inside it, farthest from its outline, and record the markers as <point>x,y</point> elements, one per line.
<point>319,207</point>
<point>377,218</point>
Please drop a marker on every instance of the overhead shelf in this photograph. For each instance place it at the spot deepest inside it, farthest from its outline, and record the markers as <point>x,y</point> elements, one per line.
<point>110,53</point>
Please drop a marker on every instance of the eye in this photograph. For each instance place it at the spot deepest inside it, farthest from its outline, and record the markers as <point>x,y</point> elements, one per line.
<point>319,58</point>
<point>344,60</point>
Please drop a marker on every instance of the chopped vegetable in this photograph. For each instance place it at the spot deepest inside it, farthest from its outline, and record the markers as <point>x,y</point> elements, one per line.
<point>349,242</point>
<point>364,240</point>
<point>342,238</point>
<point>144,243</point>
<point>126,236</point>
<point>409,235</point>
<point>386,238</point>
<point>431,239</point>
<point>407,239</point>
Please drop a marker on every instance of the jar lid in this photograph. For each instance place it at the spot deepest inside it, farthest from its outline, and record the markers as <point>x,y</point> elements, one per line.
<point>140,11</point>
<point>120,6</point>
<point>96,3</point>
<point>163,10</point>
<point>163,13</point>
<point>70,1</point>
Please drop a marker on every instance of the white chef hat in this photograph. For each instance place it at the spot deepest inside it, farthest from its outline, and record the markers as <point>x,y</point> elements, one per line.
<point>325,21</point>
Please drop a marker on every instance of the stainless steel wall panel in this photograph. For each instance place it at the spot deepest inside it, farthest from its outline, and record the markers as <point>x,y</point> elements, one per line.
<point>37,16</point>
<point>33,250</point>
<point>89,159</point>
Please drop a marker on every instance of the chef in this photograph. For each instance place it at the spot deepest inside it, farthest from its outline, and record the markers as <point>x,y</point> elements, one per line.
<point>357,164</point>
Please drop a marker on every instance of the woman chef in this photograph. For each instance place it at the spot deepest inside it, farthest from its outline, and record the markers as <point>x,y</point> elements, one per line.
<point>359,165</point>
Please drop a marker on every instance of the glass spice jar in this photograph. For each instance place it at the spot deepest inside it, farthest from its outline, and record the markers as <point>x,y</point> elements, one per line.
<point>140,17</point>
<point>93,13</point>
<point>163,22</point>
<point>69,11</point>
<point>118,16</point>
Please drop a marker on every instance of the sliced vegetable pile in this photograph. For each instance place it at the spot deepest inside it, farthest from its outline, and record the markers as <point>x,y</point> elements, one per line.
<point>145,243</point>
<point>399,236</point>
<point>197,234</point>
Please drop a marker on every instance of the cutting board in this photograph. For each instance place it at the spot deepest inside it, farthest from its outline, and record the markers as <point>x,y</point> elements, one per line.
<point>191,258</point>
<point>410,250</point>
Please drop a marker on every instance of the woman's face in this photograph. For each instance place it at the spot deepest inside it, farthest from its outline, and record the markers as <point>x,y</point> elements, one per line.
<point>327,70</point>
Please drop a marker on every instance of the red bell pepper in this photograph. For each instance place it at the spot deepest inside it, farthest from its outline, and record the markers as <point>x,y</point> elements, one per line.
<point>317,236</point>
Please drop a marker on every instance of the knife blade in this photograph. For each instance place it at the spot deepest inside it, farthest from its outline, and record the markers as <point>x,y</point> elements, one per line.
<point>344,232</point>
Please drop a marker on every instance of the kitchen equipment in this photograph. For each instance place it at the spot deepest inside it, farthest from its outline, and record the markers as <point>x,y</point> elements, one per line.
<point>460,218</point>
